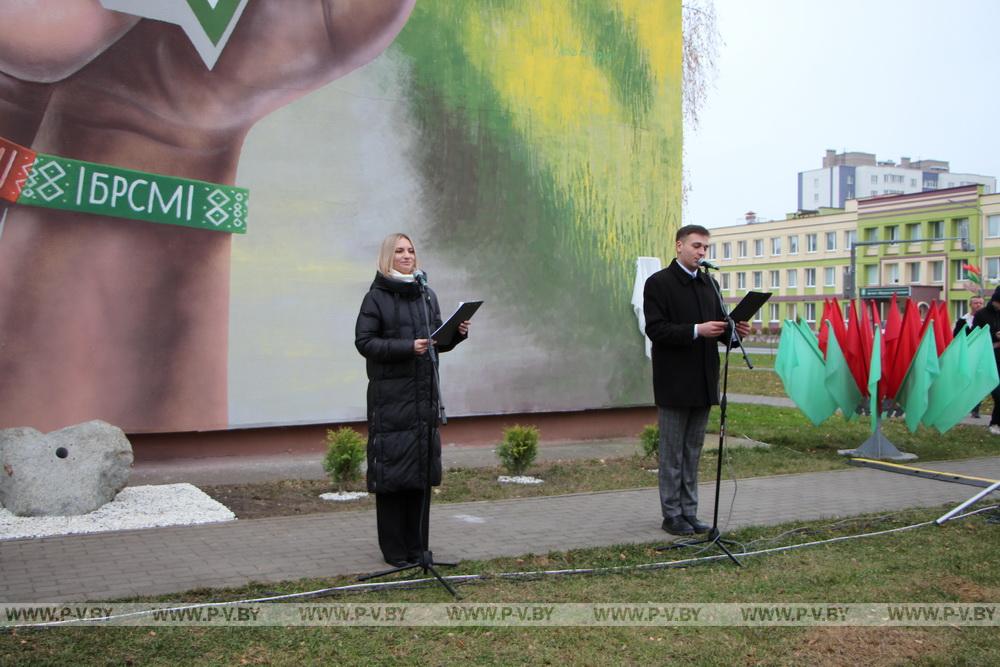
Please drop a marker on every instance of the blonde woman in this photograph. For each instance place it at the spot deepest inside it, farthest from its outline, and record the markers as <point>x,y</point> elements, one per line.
<point>391,333</point>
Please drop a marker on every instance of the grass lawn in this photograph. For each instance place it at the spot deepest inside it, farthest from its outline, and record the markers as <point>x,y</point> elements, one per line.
<point>954,563</point>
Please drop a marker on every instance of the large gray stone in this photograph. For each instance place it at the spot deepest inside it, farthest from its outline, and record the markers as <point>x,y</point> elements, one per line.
<point>67,472</point>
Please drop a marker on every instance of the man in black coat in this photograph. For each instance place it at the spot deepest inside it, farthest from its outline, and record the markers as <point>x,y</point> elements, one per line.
<point>990,316</point>
<point>685,322</point>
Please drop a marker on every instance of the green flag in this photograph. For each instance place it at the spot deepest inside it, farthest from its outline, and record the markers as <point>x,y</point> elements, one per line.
<point>838,379</point>
<point>914,391</point>
<point>800,366</point>
<point>874,375</point>
<point>947,393</point>
<point>977,377</point>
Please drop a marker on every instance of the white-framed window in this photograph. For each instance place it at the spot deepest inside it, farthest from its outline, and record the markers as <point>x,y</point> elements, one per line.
<point>962,228</point>
<point>871,234</point>
<point>793,311</point>
<point>793,245</point>
<point>958,270</point>
<point>914,272</point>
<point>891,274</point>
<point>792,278</point>
<point>850,236</point>
<point>741,280</point>
<point>758,247</point>
<point>913,232</point>
<point>775,279</point>
<point>758,315</point>
<point>776,245</point>
<point>936,229</point>
<point>871,274</point>
<point>831,241</point>
<point>992,268</point>
<point>775,311</point>
<point>711,251</point>
<point>892,232</point>
<point>937,271</point>
<point>830,276</point>
<point>727,250</point>
<point>758,279</point>
<point>810,312</point>
<point>810,243</point>
<point>993,226</point>
<point>725,281</point>
<point>810,277</point>
<point>874,179</point>
<point>741,248</point>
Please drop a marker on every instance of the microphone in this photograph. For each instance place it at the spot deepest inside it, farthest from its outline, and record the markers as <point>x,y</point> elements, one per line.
<point>420,277</point>
<point>707,264</point>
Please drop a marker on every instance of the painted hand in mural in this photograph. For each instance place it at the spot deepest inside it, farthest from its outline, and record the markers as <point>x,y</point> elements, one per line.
<point>123,320</point>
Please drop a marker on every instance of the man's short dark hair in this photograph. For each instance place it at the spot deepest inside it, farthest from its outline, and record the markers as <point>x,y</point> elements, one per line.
<point>687,230</point>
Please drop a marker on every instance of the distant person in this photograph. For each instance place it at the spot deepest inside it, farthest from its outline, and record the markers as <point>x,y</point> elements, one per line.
<point>391,333</point>
<point>685,322</point>
<point>965,322</point>
<point>990,316</point>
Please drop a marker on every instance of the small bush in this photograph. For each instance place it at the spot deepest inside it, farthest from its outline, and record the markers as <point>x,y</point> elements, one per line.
<point>519,448</point>
<point>650,440</point>
<point>345,450</point>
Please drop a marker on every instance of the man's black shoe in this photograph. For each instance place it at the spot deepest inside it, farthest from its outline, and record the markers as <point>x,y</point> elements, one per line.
<point>398,563</point>
<point>698,526</point>
<point>676,525</point>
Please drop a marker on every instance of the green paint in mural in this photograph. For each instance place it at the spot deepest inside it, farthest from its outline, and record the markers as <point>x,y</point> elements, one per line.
<point>214,19</point>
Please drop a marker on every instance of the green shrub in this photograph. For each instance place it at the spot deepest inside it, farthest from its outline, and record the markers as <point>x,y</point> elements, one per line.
<point>650,440</point>
<point>519,448</point>
<point>345,450</point>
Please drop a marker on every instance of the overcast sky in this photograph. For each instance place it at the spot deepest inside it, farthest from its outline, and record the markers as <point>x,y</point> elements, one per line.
<point>914,78</point>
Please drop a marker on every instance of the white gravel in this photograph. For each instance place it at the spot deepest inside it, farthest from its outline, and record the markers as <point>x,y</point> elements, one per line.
<point>519,479</point>
<point>134,507</point>
<point>343,496</point>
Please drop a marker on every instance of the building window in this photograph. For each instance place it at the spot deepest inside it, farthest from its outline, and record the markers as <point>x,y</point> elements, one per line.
<point>793,244</point>
<point>711,251</point>
<point>775,312</point>
<point>775,279</point>
<point>871,274</point>
<point>810,243</point>
<point>892,232</point>
<point>937,271</point>
<point>792,278</point>
<point>850,237</point>
<point>892,274</point>
<point>725,281</point>
<point>962,228</point>
<point>831,241</point>
<point>913,231</point>
<point>993,226</point>
<point>993,269</point>
<point>874,180</point>
<point>741,248</point>
<point>727,250</point>
<point>793,311</point>
<point>871,234</point>
<point>758,279</point>
<point>810,312</point>
<point>914,273</point>
<point>958,271</point>
<point>810,277</point>
<point>758,247</point>
<point>776,245</point>
<point>830,276</point>
<point>936,229</point>
<point>741,280</point>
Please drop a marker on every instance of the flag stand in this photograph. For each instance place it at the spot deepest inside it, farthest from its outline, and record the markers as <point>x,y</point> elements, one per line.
<point>877,446</point>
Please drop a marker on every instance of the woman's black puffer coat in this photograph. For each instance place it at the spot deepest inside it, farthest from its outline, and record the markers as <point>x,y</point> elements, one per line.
<point>402,399</point>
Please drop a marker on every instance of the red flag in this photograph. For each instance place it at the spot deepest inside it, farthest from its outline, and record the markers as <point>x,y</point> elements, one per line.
<point>906,345</point>
<point>838,323</point>
<point>867,338</point>
<point>823,333</point>
<point>891,374</point>
<point>853,352</point>
<point>942,326</point>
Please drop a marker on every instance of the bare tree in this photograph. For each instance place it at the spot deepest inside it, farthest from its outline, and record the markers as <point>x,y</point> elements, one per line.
<point>701,49</point>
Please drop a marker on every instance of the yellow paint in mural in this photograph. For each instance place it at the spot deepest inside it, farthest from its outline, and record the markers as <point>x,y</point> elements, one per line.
<point>610,169</point>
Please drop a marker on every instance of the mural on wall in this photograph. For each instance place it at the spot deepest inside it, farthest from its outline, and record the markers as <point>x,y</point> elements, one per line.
<point>531,149</point>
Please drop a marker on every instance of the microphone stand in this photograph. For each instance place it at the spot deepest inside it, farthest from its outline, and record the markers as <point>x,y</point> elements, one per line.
<point>426,561</point>
<point>714,535</point>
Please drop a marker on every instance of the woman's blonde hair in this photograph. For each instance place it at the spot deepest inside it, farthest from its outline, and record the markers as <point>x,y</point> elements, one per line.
<point>388,249</point>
